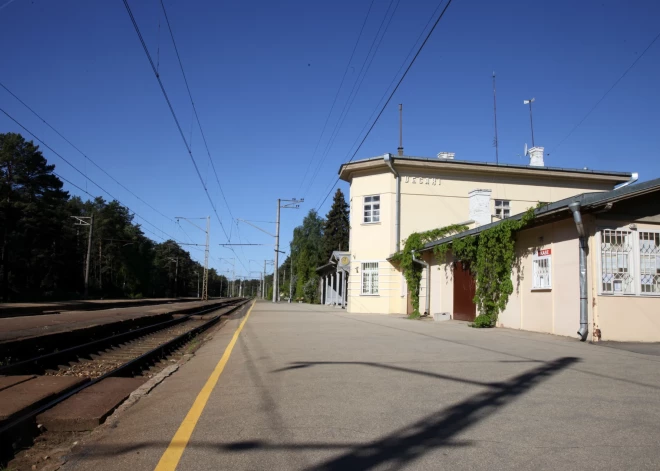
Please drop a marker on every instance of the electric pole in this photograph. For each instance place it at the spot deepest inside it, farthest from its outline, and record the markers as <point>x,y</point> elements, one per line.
<point>205,277</point>
<point>291,275</point>
<point>86,221</point>
<point>288,204</point>
<point>497,143</point>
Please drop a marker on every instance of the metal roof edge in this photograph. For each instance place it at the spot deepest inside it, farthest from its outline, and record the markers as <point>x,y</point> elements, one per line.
<point>586,200</point>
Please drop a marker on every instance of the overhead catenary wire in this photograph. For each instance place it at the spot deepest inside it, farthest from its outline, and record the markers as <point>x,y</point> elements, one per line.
<point>606,93</point>
<point>81,173</point>
<point>334,101</point>
<point>80,151</point>
<point>357,85</point>
<point>201,130</point>
<point>421,47</point>
<point>176,119</point>
<point>403,64</point>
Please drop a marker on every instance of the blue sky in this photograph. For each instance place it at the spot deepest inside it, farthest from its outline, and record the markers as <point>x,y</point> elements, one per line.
<point>264,75</point>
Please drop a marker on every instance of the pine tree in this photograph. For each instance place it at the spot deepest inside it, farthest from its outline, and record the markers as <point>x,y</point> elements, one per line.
<point>336,227</point>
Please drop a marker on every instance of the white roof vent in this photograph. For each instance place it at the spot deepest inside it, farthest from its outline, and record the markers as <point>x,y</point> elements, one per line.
<point>446,155</point>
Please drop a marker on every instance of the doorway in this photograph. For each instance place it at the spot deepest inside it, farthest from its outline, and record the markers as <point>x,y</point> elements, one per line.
<point>464,290</point>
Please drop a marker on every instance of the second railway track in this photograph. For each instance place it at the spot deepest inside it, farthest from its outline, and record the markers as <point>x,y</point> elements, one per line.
<point>130,354</point>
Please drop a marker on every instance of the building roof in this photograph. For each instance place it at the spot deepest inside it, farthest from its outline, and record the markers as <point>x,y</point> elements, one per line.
<point>588,201</point>
<point>346,170</point>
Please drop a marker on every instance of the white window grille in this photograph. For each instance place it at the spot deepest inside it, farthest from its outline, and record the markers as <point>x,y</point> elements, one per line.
<point>649,262</point>
<point>370,278</point>
<point>617,267</point>
<point>372,209</point>
<point>542,273</point>
<point>502,208</point>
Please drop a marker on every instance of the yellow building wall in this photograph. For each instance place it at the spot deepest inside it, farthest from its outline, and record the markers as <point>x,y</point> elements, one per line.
<point>424,206</point>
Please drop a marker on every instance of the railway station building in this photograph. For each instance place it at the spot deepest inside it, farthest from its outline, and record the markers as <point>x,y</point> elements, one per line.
<point>393,196</point>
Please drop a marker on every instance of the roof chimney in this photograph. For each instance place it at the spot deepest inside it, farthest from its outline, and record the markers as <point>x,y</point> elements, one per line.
<point>480,206</point>
<point>446,155</point>
<point>536,157</point>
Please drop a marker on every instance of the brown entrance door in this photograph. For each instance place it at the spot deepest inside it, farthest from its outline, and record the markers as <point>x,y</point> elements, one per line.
<point>464,291</point>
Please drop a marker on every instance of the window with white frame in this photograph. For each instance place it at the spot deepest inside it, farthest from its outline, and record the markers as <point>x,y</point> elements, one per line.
<point>370,278</point>
<point>502,208</point>
<point>542,269</point>
<point>371,209</point>
<point>649,262</point>
<point>617,261</point>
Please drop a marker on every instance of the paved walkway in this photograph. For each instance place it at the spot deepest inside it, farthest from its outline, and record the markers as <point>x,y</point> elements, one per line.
<point>309,387</point>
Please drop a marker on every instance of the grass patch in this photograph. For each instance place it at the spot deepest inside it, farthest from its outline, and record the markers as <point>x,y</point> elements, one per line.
<point>414,315</point>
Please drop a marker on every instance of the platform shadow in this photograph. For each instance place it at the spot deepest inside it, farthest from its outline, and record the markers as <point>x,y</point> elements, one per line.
<point>397,448</point>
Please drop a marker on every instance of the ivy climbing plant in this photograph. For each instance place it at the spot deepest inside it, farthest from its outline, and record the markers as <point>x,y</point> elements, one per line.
<point>490,255</point>
<point>412,271</point>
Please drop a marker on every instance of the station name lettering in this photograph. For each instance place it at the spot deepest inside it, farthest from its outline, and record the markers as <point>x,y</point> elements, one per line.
<point>421,180</point>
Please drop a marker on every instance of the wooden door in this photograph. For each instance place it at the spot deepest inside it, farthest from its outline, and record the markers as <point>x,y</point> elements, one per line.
<point>464,291</point>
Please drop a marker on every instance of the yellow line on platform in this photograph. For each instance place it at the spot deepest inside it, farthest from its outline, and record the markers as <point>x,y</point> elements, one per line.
<point>171,457</point>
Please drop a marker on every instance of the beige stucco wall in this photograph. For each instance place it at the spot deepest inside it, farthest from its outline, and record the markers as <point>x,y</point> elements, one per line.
<point>424,206</point>
<point>556,310</point>
<point>632,318</point>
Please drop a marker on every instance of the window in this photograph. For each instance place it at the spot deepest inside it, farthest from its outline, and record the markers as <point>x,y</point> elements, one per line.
<point>616,252</point>
<point>542,269</point>
<point>370,278</point>
<point>371,209</point>
<point>502,208</point>
<point>649,262</point>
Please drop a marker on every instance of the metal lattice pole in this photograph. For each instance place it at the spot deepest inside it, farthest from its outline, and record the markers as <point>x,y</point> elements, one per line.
<point>205,278</point>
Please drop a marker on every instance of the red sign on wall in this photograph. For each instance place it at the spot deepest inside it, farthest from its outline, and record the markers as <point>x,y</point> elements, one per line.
<point>544,252</point>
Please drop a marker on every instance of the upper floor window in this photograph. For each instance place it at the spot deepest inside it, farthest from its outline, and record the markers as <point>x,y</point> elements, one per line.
<point>502,208</point>
<point>371,209</point>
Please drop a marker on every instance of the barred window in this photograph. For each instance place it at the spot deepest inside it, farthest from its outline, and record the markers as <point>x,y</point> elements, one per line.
<point>372,209</point>
<point>617,267</point>
<point>649,262</point>
<point>502,208</point>
<point>370,278</point>
<point>542,273</point>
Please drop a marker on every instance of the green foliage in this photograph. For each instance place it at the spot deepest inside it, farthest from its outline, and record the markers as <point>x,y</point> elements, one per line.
<point>311,289</point>
<point>490,256</point>
<point>483,322</point>
<point>44,253</point>
<point>414,315</point>
<point>336,227</point>
<point>413,271</point>
<point>307,252</point>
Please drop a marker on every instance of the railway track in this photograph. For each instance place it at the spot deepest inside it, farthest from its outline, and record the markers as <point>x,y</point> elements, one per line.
<point>129,354</point>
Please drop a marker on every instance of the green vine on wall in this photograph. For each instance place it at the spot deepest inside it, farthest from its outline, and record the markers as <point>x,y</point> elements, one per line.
<point>413,271</point>
<point>490,255</point>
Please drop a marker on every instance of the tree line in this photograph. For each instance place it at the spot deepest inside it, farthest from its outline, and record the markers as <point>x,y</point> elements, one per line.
<point>311,247</point>
<point>44,253</point>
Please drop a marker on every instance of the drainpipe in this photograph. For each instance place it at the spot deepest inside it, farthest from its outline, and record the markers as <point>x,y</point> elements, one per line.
<point>584,313</point>
<point>397,219</point>
<point>428,282</point>
<point>633,179</point>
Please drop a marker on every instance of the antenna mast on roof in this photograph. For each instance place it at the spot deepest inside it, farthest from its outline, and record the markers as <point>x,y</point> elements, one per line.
<point>400,149</point>
<point>495,141</point>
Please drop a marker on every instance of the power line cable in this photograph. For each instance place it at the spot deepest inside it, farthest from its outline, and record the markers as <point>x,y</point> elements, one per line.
<point>403,64</point>
<point>80,151</point>
<point>81,173</point>
<point>341,84</point>
<point>421,47</point>
<point>176,120</point>
<point>185,79</point>
<point>357,85</point>
<point>607,93</point>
